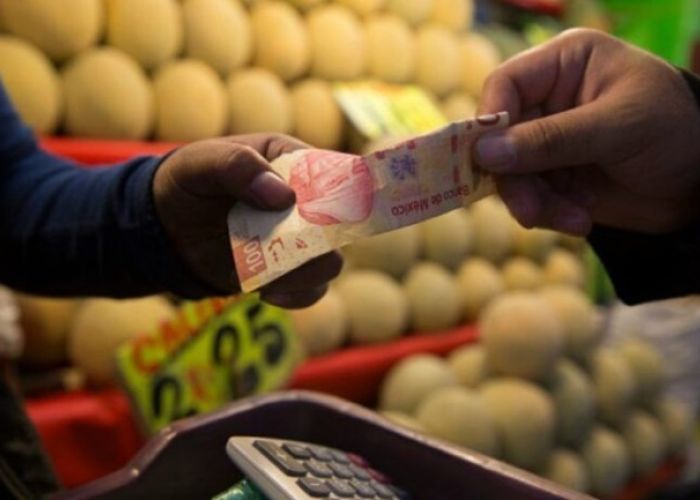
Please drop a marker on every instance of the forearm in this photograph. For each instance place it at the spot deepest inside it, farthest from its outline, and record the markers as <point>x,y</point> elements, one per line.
<point>72,231</point>
<point>652,267</point>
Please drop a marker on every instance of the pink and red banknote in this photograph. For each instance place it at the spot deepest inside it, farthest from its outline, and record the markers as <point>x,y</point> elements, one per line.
<point>342,198</point>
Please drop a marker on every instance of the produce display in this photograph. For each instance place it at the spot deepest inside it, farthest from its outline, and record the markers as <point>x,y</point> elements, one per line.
<point>107,95</point>
<point>429,278</point>
<point>263,51</point>
<point>83,334</point>
<point>573,415</point>
<point>190,101</point>
<point>101,325</point>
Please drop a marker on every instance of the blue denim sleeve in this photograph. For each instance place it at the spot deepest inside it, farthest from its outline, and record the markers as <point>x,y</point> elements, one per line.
<point>69,231</point>
<point>643,267</point>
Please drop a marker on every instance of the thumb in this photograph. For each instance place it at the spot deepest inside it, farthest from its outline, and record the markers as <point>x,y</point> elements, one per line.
<point>221,169</point>
<point>571,138</point>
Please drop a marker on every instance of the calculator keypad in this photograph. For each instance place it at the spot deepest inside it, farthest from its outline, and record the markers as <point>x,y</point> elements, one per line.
<point>327,473</point>
<point>281,459</point>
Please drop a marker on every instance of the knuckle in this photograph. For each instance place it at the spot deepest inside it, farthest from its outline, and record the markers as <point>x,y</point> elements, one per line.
<point>549,138</point>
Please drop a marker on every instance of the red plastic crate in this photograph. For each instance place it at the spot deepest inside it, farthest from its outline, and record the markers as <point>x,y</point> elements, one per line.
<point>101,152</point>
<point>355,373</point>
<point>550,7</point>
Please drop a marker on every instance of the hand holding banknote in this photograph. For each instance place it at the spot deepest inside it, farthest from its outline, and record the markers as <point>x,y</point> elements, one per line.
<point>604,133</point>
<point>193,191</point>
<point>341,198</point>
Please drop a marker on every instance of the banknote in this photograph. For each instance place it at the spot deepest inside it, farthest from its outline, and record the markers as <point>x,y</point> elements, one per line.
<point>341,198</point>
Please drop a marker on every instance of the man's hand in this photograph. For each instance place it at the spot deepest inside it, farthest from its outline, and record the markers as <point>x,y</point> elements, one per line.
<point>195,188</point>
<point>604,133</point>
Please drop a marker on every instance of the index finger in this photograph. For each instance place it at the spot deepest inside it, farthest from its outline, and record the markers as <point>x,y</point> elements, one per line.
<point>547,77</point>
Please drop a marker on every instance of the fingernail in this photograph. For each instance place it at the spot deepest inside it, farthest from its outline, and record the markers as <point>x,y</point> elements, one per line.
<point>270,191</point>
<point>574,222</point>
<point>495,152</point>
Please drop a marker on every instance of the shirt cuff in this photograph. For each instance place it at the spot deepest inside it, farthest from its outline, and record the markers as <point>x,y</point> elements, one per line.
<point>150,246</point>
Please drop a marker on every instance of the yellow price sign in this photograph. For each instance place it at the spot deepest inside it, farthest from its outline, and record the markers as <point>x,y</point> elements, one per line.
<point>378,109</point>
<point>212,353</point>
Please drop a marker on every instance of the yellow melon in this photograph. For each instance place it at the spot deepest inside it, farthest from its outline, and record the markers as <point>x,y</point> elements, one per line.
<point>492,229</point>
<point>459,106</point>
<point>678,424</point>
<point>433,298</point>
<point>525,420</point>
<point>583,331</point>
<point>393,252</point>
<point>258,102</point>
<point>535,244</point>
<point>218,32</point>
<point>568,469</point>
<point>615,386</point>
<point>647,366</point>
<point>190,101</point>
<point>479,283</point>
<point>44,323</point>
<point>573,243</point>
<point>469,365</point>
<point>376,305</point>
<point>478,58</point>
<point>61,29</point>
<point>448,239</point>
<point>522,336</point>
<point>318,119</point>
<point>338,49</point>
<point>150,31</point>
<point>574,399</point>
<point>107,95</point>
<point>645,441</point>
<point>414,12</point>
<point>563,268</point>
<point>413,379</point>
<point>102,325</point>
<point>459,416</point>
<point>281,43</point>
<point>390,49</point>
<point>520,273</point>
<point>323,327</point>
<point>455,14</point>
<point>437,59</point>
<point>607,461</point>
<point>363,7</point>
<point>32,84</point>
<point>305,5</point>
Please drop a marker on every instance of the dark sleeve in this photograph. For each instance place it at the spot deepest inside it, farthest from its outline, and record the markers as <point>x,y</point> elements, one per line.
<point>65,230</point>
<point>652,267</point>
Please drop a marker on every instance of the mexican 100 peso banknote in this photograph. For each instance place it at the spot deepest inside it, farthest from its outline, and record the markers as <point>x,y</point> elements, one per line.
<point>342,197</point>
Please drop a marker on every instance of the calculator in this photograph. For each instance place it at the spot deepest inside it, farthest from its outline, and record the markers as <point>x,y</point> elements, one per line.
<point>294,470</point>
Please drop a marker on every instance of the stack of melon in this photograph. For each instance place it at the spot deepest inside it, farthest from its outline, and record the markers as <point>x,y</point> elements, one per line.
<point>83,334</point>
<point>185,70</point>
<point>540,392</point>
<point>436,276</point>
